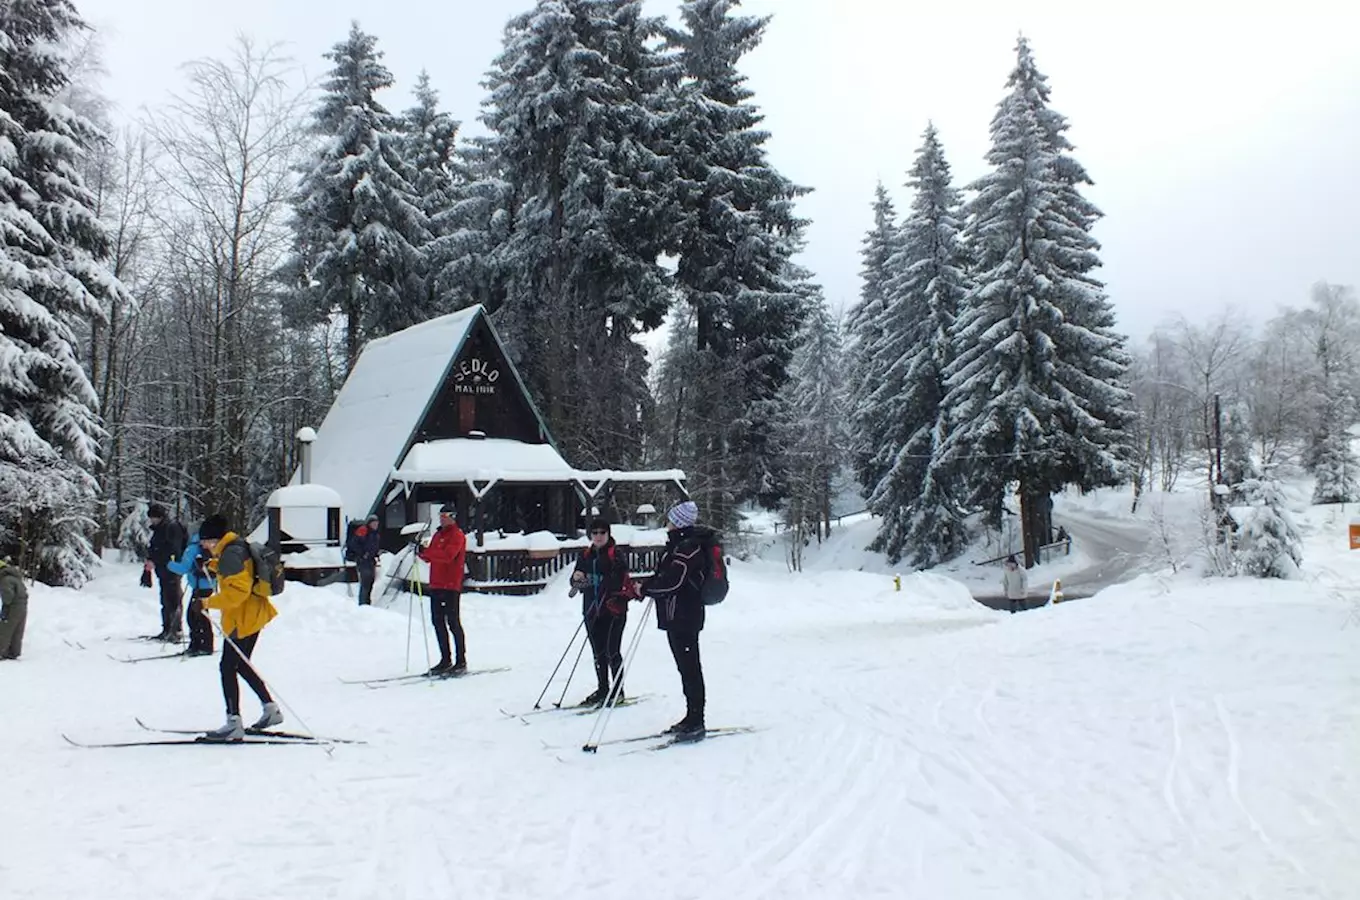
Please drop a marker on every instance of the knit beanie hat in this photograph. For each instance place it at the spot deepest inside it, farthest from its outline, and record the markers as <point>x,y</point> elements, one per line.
<point>683,515</point>
<point>155,511</point>
<point>214,528</point>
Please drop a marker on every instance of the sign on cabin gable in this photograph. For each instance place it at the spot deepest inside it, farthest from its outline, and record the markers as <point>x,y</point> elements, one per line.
<point>475,375</point>
<point>482,394</point>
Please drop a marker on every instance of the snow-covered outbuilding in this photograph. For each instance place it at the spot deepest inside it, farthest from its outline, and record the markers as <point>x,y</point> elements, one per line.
<point>437,414</point>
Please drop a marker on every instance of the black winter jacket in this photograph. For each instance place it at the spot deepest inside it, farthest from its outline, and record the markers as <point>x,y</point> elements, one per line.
<point>168,540</point>
<point>679,576</point>
<point>605,573</point>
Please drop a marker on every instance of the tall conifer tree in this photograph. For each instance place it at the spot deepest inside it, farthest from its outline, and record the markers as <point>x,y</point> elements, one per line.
<point>1036,393</point>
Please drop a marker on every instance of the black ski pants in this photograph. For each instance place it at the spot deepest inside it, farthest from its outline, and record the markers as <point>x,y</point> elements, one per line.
<point>685,649</point>
<point>606,643</point>
<point>232,665</point>
<point>200,627</point>
<point>172,600</point>
<point>367,575</point>
<point>445,615</point>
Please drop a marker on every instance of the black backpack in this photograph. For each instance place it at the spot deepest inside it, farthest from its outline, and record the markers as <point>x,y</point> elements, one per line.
<point>713,589</point>
<point>350,529</point>
<point>268,565</point>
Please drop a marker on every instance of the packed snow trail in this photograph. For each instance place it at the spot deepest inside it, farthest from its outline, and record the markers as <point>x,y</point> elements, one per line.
<point>1187,739</point>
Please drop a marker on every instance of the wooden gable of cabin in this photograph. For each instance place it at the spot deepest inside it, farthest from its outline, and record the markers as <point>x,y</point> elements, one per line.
<point>481,392</point>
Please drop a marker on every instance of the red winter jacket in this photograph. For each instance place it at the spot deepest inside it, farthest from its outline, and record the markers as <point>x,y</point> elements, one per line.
<point>446,555</point>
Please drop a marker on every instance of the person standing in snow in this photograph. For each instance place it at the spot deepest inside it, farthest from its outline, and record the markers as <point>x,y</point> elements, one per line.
<point>1014,583</point>
<point>675,587</point>
<point>193,564</point>
<point>363,549</point>
<point>168,538</point>
<point>602,576</point>
<point>246,610</point>
<point>13,611</point>
<point>447,553</point>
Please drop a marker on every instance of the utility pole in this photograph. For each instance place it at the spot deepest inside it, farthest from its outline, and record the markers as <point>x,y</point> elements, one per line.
<point>1218,438</point>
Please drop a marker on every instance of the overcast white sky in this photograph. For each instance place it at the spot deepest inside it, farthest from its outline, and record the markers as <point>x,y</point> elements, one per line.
<point>1225,145</point>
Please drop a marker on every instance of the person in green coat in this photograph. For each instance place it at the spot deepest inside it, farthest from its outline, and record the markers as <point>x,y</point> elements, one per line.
<point>13,611</point>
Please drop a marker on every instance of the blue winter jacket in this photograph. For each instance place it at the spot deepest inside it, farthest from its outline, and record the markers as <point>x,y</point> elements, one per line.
<point>190,565</point>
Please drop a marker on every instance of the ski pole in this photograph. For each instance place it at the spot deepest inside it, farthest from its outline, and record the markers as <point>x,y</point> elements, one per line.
<point>329,748</point>
<point>410,613</point>
<point>420,596</point>
<point>602,718</point>
<point>560,660</point>
<point>572,674</point>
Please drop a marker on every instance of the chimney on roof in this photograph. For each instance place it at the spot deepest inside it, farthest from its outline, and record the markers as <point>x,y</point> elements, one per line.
<point>305,436</point>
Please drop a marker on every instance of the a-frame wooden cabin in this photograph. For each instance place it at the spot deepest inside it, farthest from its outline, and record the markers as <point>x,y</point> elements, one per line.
<point>437,413</point>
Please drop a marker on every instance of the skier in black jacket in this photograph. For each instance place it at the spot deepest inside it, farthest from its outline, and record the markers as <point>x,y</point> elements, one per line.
<point>601,576</point>
<point>680,610</point>
<point>168,539</point>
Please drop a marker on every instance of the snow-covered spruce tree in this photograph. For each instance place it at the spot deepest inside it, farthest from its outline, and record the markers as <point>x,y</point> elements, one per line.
<point>1332,325</point>
<point>469,231</point>
<point>1238,464</point>
<point>52,248</point>
<point>1036,394</point>
<point>576,117</point>
<point>1268,544</point>
<point>358,225</point>
<point>871,346</point>
<point>429,150</point>
<point>134,535</point>
<point>1336,466</point>
<point>917,496</point>
<point>814,442</point>
<point>734,233</point>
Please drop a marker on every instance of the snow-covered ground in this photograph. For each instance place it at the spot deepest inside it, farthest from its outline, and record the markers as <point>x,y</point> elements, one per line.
<point>1174,737</point>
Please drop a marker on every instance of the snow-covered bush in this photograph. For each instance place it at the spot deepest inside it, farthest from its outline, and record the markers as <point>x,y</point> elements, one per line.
<point>1268,544</point>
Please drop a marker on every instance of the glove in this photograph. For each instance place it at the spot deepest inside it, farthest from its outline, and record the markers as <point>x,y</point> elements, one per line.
<point>146,576</point>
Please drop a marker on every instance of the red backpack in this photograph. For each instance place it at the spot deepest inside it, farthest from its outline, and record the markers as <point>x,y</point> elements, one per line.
<point>713,589</point>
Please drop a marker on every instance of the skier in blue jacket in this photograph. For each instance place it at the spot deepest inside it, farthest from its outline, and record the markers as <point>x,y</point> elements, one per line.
<point>194,565</point>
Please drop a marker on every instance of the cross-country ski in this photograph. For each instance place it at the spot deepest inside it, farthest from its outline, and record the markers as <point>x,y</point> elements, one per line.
<point>256,732</point>
<point>187,742</point>
<point>428,678</point>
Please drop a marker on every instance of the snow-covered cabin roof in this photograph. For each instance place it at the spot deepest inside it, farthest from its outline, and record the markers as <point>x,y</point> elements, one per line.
<point>382,402</point>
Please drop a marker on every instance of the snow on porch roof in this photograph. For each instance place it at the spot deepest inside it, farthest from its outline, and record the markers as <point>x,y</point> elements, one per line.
<point>482,462</point>
<point>381,403</point>
<point>487,459</point>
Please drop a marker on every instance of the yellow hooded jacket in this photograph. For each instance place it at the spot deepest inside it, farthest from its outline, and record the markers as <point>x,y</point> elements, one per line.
<point>244,602</point>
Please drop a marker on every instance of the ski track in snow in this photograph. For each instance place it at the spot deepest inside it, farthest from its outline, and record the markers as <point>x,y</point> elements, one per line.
<point>1234,778</point>
<point>911,744</point>
<point>1169,783</point>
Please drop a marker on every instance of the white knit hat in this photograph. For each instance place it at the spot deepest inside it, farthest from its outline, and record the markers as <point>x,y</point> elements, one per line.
<point>683,515</point>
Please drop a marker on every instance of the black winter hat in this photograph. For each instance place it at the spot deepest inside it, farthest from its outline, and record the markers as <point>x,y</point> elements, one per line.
<point>155,511</point>
<point>599,525</point>
<point>214,528</point>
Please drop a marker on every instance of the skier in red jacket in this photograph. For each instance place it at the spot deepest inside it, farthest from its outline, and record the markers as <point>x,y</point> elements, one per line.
<point>446,553</point>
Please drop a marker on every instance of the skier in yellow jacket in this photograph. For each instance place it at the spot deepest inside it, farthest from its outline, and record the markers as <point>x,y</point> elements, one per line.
<point>246,610</point>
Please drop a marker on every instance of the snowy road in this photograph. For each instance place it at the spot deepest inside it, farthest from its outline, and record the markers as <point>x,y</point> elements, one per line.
<point>1117,550</point>
<point>912,744</point>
